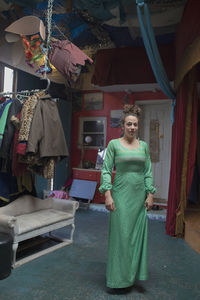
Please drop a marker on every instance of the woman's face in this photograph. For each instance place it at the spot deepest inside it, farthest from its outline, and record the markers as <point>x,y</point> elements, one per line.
<point>130,126</point>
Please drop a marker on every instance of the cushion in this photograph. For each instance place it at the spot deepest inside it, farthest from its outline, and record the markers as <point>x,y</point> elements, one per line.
<point>38,219</point>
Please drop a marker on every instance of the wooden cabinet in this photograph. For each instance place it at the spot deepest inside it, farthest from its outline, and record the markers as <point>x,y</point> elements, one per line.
<point>85,174</point>
<point>93,175</point>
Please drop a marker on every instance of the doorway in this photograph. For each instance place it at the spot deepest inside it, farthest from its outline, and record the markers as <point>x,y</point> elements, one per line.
<point>156,130</point>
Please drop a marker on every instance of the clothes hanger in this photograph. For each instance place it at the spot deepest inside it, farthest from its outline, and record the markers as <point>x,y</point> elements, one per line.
<point>48,84</point>
<point>47,96</point>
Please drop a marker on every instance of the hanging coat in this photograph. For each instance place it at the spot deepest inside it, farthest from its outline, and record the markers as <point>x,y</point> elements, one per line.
<point>46,135</point>
<point>7,143</point>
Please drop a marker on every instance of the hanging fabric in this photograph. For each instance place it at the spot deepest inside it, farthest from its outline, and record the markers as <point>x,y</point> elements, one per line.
<point>153,53</point>
<point>6,147</point>
<point>11,186</point>
<point>68,59</point>
<point>43,143</point>
<point>3,119</point>
<point>187,38</point>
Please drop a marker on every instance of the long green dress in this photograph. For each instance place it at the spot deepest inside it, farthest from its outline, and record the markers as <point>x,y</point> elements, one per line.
<point>127,245</point>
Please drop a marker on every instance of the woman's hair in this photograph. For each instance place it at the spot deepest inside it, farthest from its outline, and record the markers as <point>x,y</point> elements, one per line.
<point>130,110</point>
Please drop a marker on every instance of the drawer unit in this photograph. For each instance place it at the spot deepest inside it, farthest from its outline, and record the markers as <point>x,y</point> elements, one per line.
<point>84,174</point>
<point>93,175</point>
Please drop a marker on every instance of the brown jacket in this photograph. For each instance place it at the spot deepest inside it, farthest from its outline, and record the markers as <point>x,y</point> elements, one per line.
<point>46,135</point>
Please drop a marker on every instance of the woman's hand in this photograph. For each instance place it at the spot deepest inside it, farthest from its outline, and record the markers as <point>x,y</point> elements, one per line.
<point>149,202</point>
<point>109,203</point>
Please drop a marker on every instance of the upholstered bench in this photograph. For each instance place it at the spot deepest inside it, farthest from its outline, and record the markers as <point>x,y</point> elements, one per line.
<point>28,217</point>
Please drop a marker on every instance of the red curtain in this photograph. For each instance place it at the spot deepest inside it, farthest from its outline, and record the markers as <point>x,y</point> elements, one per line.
<point>178,140</point>
<point>176,160</point>
<point>187,32</point>
<point>193,140</point>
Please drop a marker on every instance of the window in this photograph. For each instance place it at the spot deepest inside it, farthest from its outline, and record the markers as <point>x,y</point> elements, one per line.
<point>92,132</point>
<point>8,79</point>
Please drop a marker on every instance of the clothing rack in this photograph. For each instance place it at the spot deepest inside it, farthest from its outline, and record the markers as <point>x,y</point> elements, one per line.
<point>28,92</point>
<point>19,92</point>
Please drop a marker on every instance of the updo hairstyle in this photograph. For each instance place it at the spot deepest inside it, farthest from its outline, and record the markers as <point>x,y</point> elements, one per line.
<point>130,110</point>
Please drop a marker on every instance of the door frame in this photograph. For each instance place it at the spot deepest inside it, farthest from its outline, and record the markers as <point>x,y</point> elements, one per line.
<point>160,102</point>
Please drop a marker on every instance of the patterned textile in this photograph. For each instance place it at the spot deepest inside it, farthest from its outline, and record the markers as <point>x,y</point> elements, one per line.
<point>40,166</point>
<point>43,167</point>
<point>59,194</point>
<point>27,115</point>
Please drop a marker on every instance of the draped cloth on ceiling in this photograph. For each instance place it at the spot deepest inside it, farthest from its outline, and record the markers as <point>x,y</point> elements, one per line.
<point>184,136</point>
<point>130,65</point>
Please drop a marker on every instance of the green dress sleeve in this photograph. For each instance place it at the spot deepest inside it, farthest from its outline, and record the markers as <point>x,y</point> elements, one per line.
<point>148,177</point>
<point>106,172</point>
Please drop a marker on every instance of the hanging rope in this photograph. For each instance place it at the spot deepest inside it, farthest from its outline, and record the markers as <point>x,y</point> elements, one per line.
<point>49,22</point>
<point>48,36</point>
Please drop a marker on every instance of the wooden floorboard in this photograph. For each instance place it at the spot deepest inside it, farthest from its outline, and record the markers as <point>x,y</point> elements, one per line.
<point>192,228</point>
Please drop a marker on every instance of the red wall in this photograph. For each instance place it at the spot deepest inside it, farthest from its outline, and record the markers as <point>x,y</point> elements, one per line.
<point>111,101</point>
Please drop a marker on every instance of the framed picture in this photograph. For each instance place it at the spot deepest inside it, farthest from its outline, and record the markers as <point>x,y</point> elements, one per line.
<point>76,101</point>
<point>93,101</point>
<point>115,116</point>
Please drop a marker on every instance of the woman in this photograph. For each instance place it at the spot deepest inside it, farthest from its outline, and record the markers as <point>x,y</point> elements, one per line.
<point>128,200</point>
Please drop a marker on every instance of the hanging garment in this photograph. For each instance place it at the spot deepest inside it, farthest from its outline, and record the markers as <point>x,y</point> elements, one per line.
<point>25,182</point>
<point>46,143</point>
<point>18,168</point>
<point>7,143</point>
<point>67,58</point>
<point>26,120</point>
<point>42,166</point>
<point>3,119</point>
<point>21,164</point>
<point>27,115</point>
<point>3,105</point>
<point>8,185</point>
<point>46,135</point>
<point>11,187</point>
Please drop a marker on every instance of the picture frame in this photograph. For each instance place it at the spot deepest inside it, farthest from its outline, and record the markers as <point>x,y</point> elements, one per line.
<point>93,101</point>
<point>115,116</point>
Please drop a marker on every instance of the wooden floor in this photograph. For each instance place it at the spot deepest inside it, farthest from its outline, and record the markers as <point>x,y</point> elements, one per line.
<point>192,227</point>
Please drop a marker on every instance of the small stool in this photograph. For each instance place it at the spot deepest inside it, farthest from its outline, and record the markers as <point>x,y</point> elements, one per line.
<point>5,255</point>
